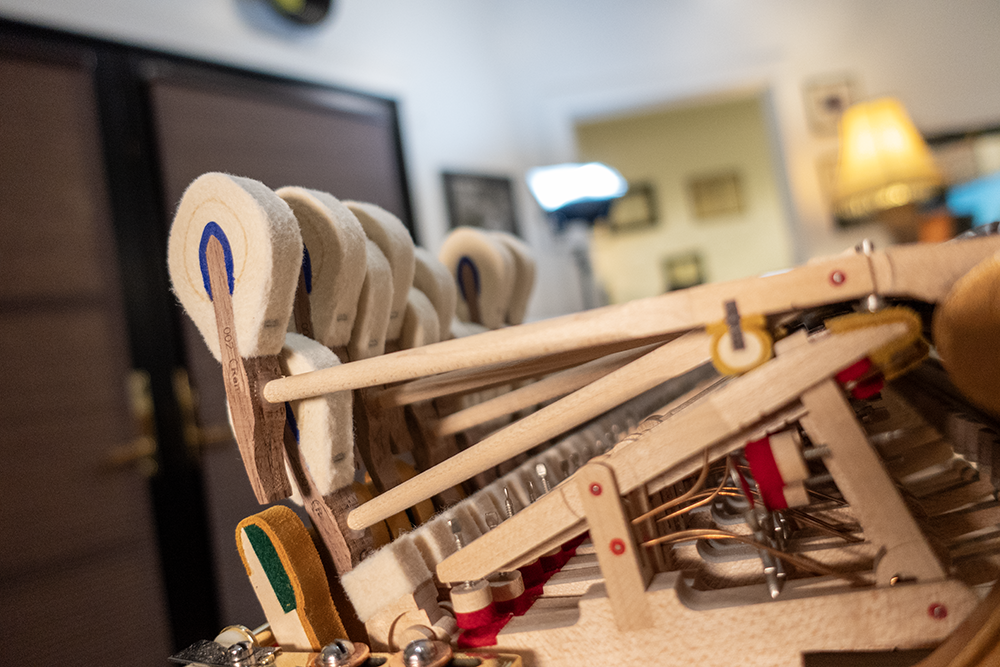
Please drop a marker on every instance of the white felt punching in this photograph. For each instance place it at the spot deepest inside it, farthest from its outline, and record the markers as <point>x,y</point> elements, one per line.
<point>324,424</point>
<point>420,322</point>
<point>392,238</point>
<point>263,250</point>
<point>492,268</point>
<point>387,575</point>
<point>524,276</point>
<point>374,303</point>
<point>432,278</point>
<point>334,261</point>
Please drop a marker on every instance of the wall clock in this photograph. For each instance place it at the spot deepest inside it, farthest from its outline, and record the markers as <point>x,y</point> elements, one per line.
<point>304,12</point>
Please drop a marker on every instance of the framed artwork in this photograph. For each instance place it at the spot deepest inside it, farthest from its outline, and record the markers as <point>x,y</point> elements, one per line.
<point>715,195</point>
<point>826,99</point>
<point>635,210</point>
<point>476,200</point>
<point>682,270</point>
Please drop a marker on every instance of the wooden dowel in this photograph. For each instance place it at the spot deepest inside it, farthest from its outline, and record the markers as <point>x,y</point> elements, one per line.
<point>470,380</point>
<point>546,389</point>
<point>656,367</point>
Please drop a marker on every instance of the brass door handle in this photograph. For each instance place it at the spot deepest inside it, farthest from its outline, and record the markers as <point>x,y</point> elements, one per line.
<point>140,453</point>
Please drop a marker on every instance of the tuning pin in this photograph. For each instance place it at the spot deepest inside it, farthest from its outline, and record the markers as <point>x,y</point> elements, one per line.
<point>531,492</point>
<point>507,504</point>
<point>492,520</point>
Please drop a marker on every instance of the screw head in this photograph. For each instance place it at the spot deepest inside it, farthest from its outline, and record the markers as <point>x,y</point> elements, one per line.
<point>617,547</point>
<point>336,653</point>
<point>421,652</point>
<point>838,277</point>
<point>595,489</point>
<point>937,611</point>
<point>239,652</point>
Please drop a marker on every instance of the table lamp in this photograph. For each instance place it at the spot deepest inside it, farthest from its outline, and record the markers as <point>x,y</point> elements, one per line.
<point>884,168</point>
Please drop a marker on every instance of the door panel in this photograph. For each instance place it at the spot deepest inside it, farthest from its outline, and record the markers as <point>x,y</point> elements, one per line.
<point>79,556</point>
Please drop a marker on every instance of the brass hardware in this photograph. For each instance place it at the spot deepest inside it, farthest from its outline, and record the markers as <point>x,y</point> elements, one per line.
<point>140,453</point>
<point>197,438</point>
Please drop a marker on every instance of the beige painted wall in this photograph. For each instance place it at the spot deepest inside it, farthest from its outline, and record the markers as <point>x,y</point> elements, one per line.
<point>667,147</point>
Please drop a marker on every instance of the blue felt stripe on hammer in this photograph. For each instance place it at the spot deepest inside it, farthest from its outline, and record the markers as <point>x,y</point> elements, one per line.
<point>213,229</point>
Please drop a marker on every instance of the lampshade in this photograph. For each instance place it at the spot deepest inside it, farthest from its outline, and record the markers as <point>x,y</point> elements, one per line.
<point>883,161</point>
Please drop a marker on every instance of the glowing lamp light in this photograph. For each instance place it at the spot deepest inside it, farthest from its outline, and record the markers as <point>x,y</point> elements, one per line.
<point>563,184</point>
<point>883,162</point>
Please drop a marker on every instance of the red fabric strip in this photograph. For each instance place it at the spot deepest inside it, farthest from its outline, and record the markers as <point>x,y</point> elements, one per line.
<point>486,634</point>
<point>766,474</point>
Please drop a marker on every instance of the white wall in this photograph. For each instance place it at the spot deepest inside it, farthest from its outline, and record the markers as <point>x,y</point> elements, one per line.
<point>495,85</point>
<point>577,58</point>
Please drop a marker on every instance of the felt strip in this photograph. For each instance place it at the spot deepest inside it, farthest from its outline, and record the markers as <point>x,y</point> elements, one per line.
<point>476,619</point>
<point>765,472</point>
<point>486,635</point>
<point>275,571</point>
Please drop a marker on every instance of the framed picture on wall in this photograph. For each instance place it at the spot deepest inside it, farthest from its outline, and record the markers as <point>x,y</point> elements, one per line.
<point>635,210</point>
<point>826,98</point>
<point>715,195</point>
<point>477,200</point>
<point>682,270</point>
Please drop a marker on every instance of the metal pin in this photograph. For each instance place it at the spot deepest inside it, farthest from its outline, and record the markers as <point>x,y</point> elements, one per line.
<point>492,520</point>
<point>456,532</point>
<point>813,453</point>
<point>531,492</point>
<point>507,504</point>
<point>543,475</point>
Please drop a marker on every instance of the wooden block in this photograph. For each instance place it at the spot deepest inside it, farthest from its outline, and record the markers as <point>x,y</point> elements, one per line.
<point>625,578</point>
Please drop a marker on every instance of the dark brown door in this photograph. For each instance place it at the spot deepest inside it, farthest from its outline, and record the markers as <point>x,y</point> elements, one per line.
<point>79,567</point>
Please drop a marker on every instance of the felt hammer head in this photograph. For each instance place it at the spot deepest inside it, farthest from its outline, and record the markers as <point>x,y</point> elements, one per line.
<point>374,306</point>
<point>334,260</point>
<point>393,239</point>
<point>263,251</point>
<point>524,275</point>
<point>491,267</point>
<point>432,278</point>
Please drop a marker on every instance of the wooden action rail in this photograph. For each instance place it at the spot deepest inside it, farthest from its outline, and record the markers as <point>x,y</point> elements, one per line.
<point>921,272</point>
